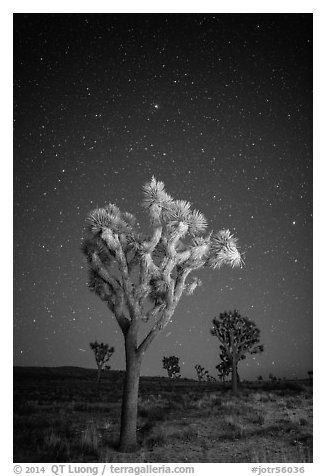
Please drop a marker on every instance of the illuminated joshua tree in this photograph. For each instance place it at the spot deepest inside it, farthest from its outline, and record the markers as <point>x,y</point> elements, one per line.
<point>239,336</point>
<point>102,354</point>
<point>142,278</point>
<point>171,364</point>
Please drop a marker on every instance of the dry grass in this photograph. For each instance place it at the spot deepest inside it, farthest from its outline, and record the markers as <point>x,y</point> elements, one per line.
<point>67,420</point>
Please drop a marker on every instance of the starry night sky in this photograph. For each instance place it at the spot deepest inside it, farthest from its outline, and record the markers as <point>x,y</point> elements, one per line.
<point>219,107</point>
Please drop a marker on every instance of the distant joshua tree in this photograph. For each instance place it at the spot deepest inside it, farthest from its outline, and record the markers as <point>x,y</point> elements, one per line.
<point>202,374</point>
<point>102,354</point>
<point>310,374</point>
<point>210,378</point>
<point>171,364</point>
<point>142,277</point>
<point>260,378</point>
<point>272,378</point>
<point>238,336</point>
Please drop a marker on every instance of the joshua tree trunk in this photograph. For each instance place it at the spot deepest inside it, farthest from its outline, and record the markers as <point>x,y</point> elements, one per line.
<point>99,370</point>
<point>128,438</point>
<point>234,376</point>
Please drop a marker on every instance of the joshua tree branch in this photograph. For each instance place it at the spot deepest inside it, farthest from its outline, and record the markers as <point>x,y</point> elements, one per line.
<point>155,311</point>
<point>157,327</point>
<point>98,266</point>
<point>152,243</point>
<point>180,284</point>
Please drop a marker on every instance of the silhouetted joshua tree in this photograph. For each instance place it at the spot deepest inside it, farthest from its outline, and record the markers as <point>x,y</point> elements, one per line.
<point>171,364</point>
<point>238,336</point>
<point>102,354</point>
<point>210,378</point>
<point>142,278</point>
<point>224,368</point>
<point>272,378</point>
<point>201,373</point>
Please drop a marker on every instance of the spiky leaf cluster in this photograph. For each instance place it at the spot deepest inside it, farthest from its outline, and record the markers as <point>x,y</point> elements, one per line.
<point>180,212</point>
<point>159,289</point>
<point>110,217</point>
<point>224,251</point>
<point>156,200</point>
<point>173,213</point>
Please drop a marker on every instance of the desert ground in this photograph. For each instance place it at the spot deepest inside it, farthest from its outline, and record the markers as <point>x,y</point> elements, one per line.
<point>61,416</point>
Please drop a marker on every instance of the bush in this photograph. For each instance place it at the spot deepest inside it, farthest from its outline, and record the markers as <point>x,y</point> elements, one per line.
<point>185,434</point>
<point>156,438</point>
<point>234,429</point>
<point>153,413</point>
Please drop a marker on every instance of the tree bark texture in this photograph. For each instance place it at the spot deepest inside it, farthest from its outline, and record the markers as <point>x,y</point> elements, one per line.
<point>128,436</point>
<point>234,376</point>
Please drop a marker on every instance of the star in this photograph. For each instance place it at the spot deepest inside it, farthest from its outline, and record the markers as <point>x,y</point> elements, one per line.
<point>173,99</point>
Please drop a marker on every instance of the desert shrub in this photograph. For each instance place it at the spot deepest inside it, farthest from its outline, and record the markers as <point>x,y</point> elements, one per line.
<point>235,408</point>
<point>202,400</point>
<point>215,400</point>
<point>234,429</point>
<point>146,428</point>
<point>26,408</point>
<point>185,434</point>
<point>89,440</point>
<point>176,402</point>
<point>291,402</point>
<point>81,407</point>
<point>198,404</point>
<point>56,446</point>
<point>284,389</point>
<point>264,398</point>
<point>303,439</point>
<point>258,418</point>
<point>156,438</point>
<point>152,413</point>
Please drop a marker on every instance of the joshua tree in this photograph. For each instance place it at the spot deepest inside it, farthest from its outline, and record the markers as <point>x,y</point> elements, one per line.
<point>310,374</point>
<point>142,278</point>
<point>210,378</point>
<point>202,374</point>
<point>260,378</point>
<point>238,336</point>
<point>103,354</point>
<point>272,378</point>
<point>171,364</point>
